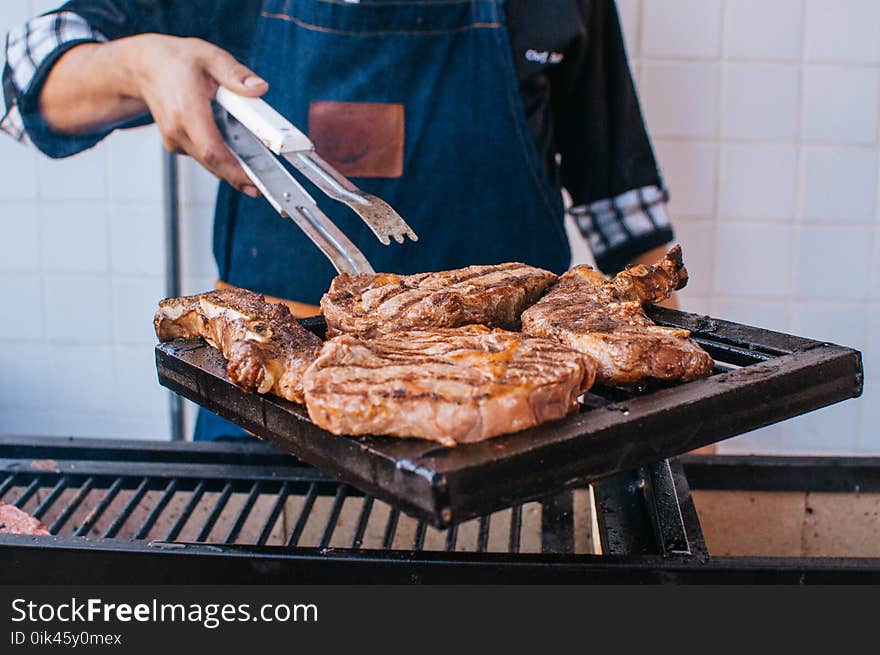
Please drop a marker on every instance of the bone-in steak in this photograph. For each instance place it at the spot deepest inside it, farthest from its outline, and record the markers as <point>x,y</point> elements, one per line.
<point>604,319</point>
<point>447,385</point>
<point>266,349</point>
<point>366,305</point>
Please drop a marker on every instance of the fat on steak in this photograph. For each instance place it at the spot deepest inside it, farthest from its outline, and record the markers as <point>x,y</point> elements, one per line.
<point>266,349</point>
<point>604,319</point>
<point>450,385</point>
<point>366,305</point>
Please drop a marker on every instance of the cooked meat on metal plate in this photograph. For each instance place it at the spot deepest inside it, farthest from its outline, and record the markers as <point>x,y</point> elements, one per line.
<point>457,385</point>
<point>604,319</point>
<point>366,305</point>
<point>266,350</point>
<point>15,521</point>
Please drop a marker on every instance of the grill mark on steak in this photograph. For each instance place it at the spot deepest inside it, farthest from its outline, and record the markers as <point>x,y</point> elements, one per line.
<point>415,297</point>
<point>605,320</point>
<point>369,305</point>
<point>450,385</point>
<point>266,349</point>
<point>510,270</point>
<point>460,276</point>
<point>407,374</point>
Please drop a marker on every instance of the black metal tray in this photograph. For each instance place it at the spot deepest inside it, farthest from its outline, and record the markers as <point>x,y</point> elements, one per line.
<point>761,377</point>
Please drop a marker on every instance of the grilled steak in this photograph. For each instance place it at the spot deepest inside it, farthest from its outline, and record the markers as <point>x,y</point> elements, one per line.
<point>266,350</point>
<point>604,319</point>
<point>366,305</point>
<point>447,385</point>
<point>15,521</point>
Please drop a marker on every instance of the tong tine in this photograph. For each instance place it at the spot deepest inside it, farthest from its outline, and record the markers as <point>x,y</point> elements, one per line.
<point>282,138</point>
<point>289,198</point>
<point>379,216</point>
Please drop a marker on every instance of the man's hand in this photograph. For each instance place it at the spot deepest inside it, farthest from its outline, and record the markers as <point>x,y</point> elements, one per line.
<point>175,79</point>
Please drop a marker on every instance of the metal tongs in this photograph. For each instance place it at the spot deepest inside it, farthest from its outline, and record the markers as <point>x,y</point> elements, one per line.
<point>258,135</point>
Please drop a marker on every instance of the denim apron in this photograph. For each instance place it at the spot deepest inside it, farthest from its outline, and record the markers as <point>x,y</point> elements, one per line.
<point>472,185</point>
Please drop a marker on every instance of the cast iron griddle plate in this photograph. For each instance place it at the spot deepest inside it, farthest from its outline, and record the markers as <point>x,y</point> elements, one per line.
<point>762,377</point>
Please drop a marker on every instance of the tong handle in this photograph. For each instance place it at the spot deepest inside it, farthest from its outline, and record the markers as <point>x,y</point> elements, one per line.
<point>260,118</point>
<point>288,197</point>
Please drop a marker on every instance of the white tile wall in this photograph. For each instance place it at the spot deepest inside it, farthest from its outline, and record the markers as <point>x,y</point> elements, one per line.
<point>78,308</point>
<point>765,440</point>
<point>629,19</point>
<point>843,323</point>
<point>64,249</point>
<point>827,170</point>
<point>86,180</point>
<point>765,119</point>
<point>760,101</point>
<point>81,376</point>
<point>19,291</point>
<point>840,104</point>
<point>758,180</point>
<point>697,239</point>
<point>841,278</point>
<point>690,167</point>
<point>763,29</point>
<point>81,269</point>
<point>872,341</point>
<point>843,31</point>
<point>134,303</point>
<point>828,431</point>
<point>869,443</point>
<point>136,234</point>
<point>685,97</point>
<point>681,28</point>
<point>20,224</point>
<point>769,314</point>
<point>749,260</point>
<point>18,170</point>
<point>768,140</point>
<point>23,421</point>
<point>25,368</point>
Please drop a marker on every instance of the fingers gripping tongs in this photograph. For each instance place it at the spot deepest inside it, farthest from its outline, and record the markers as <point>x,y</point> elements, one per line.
<point>258,135</point>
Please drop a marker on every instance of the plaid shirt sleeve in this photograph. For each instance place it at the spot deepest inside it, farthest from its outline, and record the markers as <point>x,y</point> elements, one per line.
<point>620,229</point>
<point>607,159</point>
<point>31,51</point>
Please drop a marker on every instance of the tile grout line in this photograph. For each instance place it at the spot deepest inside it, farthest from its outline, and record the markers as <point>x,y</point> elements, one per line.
<point>795,231</point>
<point>719,153</point>
<point>767,61</point>
<point>874,262</point>
<point>812,143</point>
<point>795,234</point>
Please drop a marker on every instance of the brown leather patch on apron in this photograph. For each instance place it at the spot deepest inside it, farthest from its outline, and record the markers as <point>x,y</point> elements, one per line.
<point>360,139</point>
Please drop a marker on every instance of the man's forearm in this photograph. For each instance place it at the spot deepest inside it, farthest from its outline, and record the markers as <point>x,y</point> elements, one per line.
<point>97,86</point>
<point>91,87</point>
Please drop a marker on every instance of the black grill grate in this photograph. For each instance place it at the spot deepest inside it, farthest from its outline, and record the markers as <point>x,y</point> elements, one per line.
<point>761,378</point>
<point>140,508</point>
<point>294,512</point>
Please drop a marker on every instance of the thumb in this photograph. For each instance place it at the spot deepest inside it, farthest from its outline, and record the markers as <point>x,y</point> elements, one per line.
<point>236,77</point>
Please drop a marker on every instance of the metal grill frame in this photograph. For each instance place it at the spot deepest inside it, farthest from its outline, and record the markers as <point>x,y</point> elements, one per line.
<point>94,472</point>
<point>765,377</point>
<point>648,526</point>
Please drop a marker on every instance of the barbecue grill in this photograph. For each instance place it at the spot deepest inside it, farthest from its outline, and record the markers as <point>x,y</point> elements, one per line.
<point>126,512</point>
<point>594,498</point>
<point>760,377</point>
